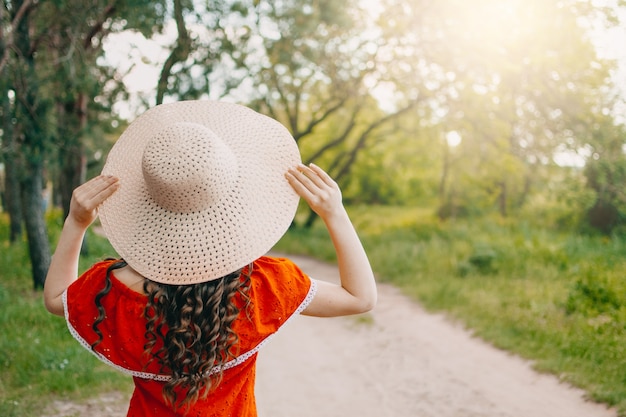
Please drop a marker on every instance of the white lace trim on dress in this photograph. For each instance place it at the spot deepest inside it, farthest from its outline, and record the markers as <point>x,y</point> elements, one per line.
<point>158,377</point>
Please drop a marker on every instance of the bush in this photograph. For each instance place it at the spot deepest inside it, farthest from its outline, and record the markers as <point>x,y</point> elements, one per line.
<point>593,295</point>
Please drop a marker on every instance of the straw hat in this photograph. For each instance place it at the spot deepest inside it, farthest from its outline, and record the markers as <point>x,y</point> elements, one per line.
<point>202,193</point>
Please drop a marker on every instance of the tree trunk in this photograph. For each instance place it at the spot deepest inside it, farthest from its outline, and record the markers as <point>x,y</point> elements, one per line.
<point>502,199</point>
<point>73,171</point>
<point>12,195</point>
<point>445,171</point>
<point>308,223</point>
<point>11,198</point>
<point>72,174</point>
<point>73,162</point>
<point>179,53</point>
<point>32,204</point>
<point>525,192</point>
<point>32,111</point>
<point>446,204</point>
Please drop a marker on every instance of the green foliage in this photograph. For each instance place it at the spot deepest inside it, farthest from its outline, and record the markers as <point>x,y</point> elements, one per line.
<point>482,261</point>
<point>606,177</point>
<point>556,298</point>
<point>592,297</point>
<point>370,93</point>
<point>562,202</point>
<point>39,359</point>
<point>599,289</point>
<point>523,86</point>
<point>409,161</point>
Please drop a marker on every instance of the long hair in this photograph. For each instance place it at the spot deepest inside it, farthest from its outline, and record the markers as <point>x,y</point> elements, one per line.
<point>189,331</point>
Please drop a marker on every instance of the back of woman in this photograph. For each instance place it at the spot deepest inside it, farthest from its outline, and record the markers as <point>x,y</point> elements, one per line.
<point>192,196</point>
<point>262,304</point>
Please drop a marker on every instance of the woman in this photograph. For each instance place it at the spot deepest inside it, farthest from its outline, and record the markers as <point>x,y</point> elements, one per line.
<point>191,197</point>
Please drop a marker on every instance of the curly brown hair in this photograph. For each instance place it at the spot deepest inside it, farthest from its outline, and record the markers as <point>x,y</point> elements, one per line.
<point>192,325</point>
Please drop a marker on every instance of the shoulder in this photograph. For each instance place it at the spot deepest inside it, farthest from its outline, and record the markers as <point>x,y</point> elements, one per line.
<point>274,262</point>
<point>279,272</point>
<point>97,270</point>
<point>89,283</point>
<point>280,283</point>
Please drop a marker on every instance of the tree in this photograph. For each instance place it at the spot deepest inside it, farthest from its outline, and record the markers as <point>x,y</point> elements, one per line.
<point>605,172</point>
<point>12,161</point>
<point>313,68</point>
<point>522,81</point>
<point>202,59</point>
<point>52,60</point>
<point>74,46</point>
<point>10,20</point>
<point>31,110</point>
<point>179,53</point>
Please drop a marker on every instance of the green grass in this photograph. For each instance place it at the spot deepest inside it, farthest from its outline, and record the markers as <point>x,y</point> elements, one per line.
<point>558,299</point>
<point>39,359</point>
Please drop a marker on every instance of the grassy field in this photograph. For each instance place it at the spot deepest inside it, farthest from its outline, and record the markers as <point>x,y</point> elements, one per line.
<point>39,359</point>
<point>558,299</point>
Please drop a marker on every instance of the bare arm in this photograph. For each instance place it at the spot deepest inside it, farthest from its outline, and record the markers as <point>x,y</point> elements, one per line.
<point>63,269</point>
<point>357,292</point>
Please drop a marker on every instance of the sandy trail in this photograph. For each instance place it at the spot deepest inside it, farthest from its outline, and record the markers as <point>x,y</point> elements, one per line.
<point>397,361</point>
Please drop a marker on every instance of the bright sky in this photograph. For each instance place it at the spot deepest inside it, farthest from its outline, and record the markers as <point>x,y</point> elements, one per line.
<point>611,44</point>
<point>140,59</point>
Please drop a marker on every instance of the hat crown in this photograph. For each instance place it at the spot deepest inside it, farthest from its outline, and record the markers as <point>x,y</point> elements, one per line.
<point>188,168</point>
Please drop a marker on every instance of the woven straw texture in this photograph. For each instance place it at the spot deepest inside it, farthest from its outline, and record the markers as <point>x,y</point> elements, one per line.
<point>202,193</point>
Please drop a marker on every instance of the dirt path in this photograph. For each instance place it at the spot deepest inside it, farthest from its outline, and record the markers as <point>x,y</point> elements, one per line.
<point>397,361</point>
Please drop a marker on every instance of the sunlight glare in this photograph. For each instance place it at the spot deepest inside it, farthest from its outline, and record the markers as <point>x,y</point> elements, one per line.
<point>453,138</point>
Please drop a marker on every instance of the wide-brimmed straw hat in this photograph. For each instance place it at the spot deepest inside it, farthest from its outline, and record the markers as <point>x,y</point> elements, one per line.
<point>203,190</point>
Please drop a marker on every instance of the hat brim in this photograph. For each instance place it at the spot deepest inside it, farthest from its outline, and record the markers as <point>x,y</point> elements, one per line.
<point>199,246</point>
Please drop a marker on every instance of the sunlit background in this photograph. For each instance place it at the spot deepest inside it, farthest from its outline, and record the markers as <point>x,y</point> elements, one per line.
<point>488,26</point>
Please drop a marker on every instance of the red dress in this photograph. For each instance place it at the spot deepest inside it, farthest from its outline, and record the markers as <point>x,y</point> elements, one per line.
<point>278,290</point>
